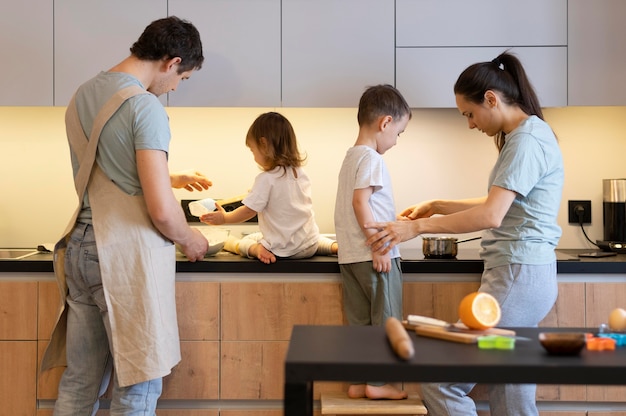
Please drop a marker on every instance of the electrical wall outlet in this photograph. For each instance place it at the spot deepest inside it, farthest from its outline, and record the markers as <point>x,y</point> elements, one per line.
<point>579,210</point>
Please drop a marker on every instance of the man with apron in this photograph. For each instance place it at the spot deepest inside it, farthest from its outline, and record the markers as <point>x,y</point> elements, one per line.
<point>116,261</point>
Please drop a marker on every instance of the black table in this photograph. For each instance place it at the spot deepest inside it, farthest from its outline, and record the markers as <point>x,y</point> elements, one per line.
<point>356,353</point>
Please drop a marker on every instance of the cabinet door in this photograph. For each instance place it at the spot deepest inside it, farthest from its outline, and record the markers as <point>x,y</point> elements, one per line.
<point>17,385</point>
<point>596,52</point>
<point>241,42</point>
<point>332,50</point>
<point>92,36</point>
<point>18,310</point>
<point>246,317</point>
<point>256,368</point>
<point>426,76</point>
<point>197,375</point>
<point>26,45</point>
<point>432,23</point>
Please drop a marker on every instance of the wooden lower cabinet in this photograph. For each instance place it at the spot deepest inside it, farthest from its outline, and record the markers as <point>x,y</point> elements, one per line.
<point>601,299</point>
<point>159,412</point>
<point>18,369</point>
<point>437,300</point>
<point>18,348</point>
<point>257,319</point>
<point>235,335</point>
<point>267,311</point>
<point>606,413</point>
<point>197,376</point>
<point>252,370</point>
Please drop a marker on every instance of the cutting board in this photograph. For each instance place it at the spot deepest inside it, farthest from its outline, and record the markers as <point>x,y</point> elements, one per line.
<point>466,336</point>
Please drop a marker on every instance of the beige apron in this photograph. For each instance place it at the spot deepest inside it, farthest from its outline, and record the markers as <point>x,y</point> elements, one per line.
<point>137,265</point>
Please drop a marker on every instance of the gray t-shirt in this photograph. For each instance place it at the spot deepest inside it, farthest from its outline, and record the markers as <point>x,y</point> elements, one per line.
<point>140,123</point>
<point>362,167</point>
<point>531,165</point>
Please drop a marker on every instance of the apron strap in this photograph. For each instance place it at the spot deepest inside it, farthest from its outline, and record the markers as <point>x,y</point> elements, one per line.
<point>86,149</point>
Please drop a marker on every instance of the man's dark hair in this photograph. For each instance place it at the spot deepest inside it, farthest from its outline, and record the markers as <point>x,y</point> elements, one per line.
<point>168,38</point>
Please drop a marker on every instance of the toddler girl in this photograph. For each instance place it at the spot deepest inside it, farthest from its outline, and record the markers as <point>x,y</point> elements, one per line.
<point>280,196</point>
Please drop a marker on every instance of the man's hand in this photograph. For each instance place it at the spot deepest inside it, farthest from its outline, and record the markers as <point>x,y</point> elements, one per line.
<point>190,180</point>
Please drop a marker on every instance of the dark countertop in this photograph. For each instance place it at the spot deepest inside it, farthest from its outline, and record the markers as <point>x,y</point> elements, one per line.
<point>467,261</point>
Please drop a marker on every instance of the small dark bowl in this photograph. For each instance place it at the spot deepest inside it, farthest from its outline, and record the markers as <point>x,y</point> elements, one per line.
<point>563,343</point>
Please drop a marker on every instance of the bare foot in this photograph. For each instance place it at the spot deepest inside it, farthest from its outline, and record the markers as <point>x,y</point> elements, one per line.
<point>334,248</point>
<point>261,253</point>
<point>385,392</point>
<point>356,391</point>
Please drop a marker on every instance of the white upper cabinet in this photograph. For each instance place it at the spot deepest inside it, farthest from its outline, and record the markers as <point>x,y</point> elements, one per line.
<point>321,53</point>
<point>436,40</point>
<point>26,47</point>
<point>332,50</point>
<point>241,42</point>
<point>426,76</point>
<point>93,35</point>
<point>433,23</point>
<point>597,52</point>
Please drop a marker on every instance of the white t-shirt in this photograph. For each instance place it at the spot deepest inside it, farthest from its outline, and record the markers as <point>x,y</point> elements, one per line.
<point>362,167</point>
<point>285,210</point>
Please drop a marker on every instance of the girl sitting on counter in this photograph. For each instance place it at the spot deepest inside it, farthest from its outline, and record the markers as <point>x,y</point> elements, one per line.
<point>280,196</point>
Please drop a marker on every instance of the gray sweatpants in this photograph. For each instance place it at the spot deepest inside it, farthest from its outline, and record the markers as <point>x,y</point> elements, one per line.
<point>370,297</point>
<point>526,294</point>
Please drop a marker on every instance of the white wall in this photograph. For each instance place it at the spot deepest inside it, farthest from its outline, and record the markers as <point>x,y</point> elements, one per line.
<point>437,157</point>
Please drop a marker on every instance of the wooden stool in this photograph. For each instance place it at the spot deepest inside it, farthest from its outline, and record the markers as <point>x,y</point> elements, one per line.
<point>341,404</point>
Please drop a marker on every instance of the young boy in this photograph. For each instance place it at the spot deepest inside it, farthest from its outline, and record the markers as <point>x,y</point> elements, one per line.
<point>372,283</point>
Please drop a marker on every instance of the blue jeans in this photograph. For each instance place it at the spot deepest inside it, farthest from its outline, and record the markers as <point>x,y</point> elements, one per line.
<point>89,359</point>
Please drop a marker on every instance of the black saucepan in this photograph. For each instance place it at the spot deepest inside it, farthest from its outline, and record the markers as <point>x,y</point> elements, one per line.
<point>442,247</point>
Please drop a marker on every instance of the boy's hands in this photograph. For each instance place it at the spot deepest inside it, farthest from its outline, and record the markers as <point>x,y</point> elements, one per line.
<point>381,262</point>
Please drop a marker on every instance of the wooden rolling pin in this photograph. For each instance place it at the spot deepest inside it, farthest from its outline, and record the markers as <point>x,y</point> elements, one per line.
<point>399,339</point>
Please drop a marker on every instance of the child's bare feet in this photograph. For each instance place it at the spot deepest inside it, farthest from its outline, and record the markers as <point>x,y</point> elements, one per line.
<point>385,392</point>
<point>356,391</point>
<point>261,253</point>
<point>334,248</point>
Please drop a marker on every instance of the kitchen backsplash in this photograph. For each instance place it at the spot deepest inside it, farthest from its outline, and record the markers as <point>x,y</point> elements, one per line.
<point>436,157</point>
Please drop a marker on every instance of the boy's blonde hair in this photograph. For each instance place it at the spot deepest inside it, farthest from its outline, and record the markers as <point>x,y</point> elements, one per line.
<point>280,146</point>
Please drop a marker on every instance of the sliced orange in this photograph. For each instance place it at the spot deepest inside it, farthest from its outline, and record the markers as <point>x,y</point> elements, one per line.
<point>479,310</point>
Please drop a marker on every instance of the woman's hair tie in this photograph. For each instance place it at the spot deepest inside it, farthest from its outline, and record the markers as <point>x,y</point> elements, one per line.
<point>497,63</point>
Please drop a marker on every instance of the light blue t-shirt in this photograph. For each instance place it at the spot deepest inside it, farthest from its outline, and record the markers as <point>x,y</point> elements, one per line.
<point>140,123</point>
<point>531,165</point>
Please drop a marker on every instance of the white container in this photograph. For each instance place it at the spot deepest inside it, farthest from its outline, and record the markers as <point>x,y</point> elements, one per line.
<point>201,207</point>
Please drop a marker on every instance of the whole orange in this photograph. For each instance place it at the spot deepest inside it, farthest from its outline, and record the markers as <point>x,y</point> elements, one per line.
<point>617,319</point>
<point>479,310</point>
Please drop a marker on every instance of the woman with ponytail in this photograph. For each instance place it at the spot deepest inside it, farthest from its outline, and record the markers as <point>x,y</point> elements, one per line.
<point>518,218</point>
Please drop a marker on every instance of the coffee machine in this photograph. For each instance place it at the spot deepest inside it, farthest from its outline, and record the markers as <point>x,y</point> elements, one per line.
<point>614,215</point>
